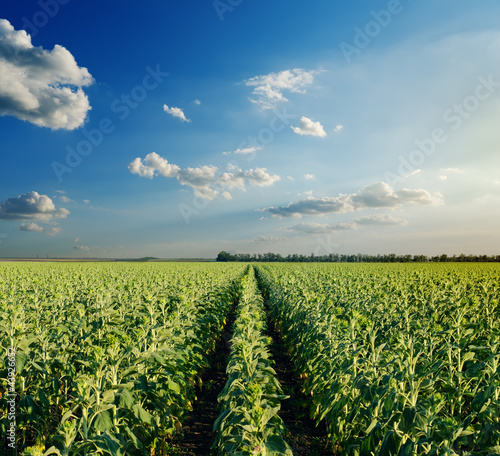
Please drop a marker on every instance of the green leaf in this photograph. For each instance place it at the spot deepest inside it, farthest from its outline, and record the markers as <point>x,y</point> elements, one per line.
<point>126,398</point>
<point>52,450</point>
<point>142,414</point>
<point>389,444</point>
<point>21,359</point>
<point>174,386</point>
<point>372,425</point>
<point>102,421</point>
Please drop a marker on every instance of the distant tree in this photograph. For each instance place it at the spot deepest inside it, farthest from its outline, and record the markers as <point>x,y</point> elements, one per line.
<point>224,256</point>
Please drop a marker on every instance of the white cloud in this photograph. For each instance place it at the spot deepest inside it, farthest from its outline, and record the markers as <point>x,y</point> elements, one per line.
<point>53,231</point>
<point>81,247</point>
<point>176,112</point>
<point>369,220</point>
<point>86,201</point>
<point>268,239</point>
<point>247,150</point>
<point>206,181</point>
<point>259,177</point>
<point>310,176</point>
<point>31,226</point>
<point>200,179</point>
<point>40,86</point>
<point>152,165</point>
<point>31,206</point>
<point>338,128</point>
<point>244,151</point>
<point>308,127</point>
<point>197,102</point>
<point>443,178</point>
<point>377,195</point>
<point>452,170</point>
<point>65,199</point>
<point>269,88</point>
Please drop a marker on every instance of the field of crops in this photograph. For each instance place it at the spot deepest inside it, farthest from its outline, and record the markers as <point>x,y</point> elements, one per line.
<point>107,358</point>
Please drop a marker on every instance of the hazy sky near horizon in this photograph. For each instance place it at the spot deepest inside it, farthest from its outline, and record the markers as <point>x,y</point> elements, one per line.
<point>179,129</point>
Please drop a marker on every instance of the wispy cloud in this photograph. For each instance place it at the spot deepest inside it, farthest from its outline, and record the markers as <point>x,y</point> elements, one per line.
<point>81,248</point>
<point>40,86</point>
<point>244,151</point>
<point>176,112</point>
<point>369,220</point>
<point>378,195</point>
<point>308,127</point>
<point>268,89</point>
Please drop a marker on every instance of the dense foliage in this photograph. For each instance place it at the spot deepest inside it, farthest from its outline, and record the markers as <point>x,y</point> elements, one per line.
<point>107,356</point>
<point>248,423</point>
<point>395,359</point>
<point>398,359</point>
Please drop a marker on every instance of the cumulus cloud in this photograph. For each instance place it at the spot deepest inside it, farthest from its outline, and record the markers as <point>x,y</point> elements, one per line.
<point>374,220</point>
<point>338,128</point>
<point>200,180</point>
<point>378,195</point>
<point>30,227</point>
<point>207,181</point>
<point>269,88</point>
<point>31,206</point>
<point>176,112</point>
<point>152,165</point>
<point>33,227</point>
<point>309,128</point>
<point>41,86</point>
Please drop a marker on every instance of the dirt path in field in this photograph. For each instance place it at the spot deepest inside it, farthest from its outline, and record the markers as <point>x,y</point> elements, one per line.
<point>197,436</point>
<point>305,438</point>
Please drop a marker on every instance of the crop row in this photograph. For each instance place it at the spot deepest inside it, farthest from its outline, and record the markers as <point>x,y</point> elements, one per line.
<point>397,360</point>
<point>107,358</point>
<point>248,423</point>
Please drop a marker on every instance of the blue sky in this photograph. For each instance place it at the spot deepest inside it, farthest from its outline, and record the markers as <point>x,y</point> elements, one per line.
<point>179,129</point>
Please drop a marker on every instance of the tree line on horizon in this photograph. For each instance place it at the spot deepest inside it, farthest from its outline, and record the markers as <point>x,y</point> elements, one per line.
<point>357,258</point>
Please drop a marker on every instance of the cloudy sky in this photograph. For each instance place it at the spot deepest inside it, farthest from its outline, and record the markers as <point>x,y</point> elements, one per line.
<point>182,128</point>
